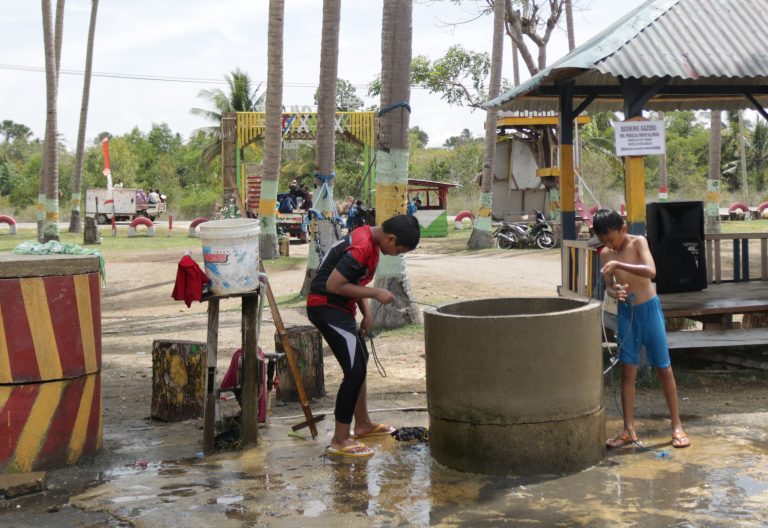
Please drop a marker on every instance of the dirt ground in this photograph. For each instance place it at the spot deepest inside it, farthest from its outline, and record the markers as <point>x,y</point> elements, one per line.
<point>137,308</point>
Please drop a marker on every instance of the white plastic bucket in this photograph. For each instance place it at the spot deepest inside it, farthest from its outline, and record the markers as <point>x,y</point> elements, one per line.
<point>231,254</point>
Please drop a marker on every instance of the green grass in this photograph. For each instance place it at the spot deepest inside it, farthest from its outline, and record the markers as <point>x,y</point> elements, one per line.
<point>294,300</point>
<point>415,330</point>
<point>178,239</point>
<point>744,226</point>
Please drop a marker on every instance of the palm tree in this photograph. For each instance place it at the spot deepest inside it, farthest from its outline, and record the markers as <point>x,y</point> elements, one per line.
<point>324,233</point>
<point>273,137</point>
<point>759,153</point>
<point>481,232</point>
<point>50,181</point>
<point>392,155</point>
<point>662,169</point>
<point>74,219</point>
<point>569,24</point>
<point>713,181</point>
<point>241,98</point>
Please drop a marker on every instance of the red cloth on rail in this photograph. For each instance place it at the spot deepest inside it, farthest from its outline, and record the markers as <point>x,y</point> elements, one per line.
<point>189,281</point>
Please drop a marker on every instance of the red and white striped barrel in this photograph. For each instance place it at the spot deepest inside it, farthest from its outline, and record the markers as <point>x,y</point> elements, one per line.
<point>50,360</point>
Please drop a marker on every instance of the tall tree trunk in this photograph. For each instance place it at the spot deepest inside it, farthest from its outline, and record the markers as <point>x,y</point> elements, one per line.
<point>713,181</point>
<point>75,225</point>
<point>569,24</point>
<point>663,192</point>
<point>273,135</point>
<point>743,162</point>
<point>392,156</point>
<point>481,232</point>
<point>324,235</point>
<point>50,153</point>
<point>515,65</point>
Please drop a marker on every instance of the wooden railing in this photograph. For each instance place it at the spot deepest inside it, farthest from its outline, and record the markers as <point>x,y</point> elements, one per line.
<point>581,271</point>
<point>741,263</point>
<point>730,257</point>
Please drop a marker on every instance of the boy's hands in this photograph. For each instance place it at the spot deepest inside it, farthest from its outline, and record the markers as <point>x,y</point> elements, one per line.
<point>384,296</point>
<point>615,290</point>
<point>365,325</point>
<point>610,267</point>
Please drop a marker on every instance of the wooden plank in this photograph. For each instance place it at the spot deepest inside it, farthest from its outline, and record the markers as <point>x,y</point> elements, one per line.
<point>710,249</point>
<point>718,264</point>
<point>290,357</point>
<point>212,343</point>
<point>763,259</point>
<point>723,298</point>
<point>250,383</point>
<point>583,271</point>
<point>712,339</point>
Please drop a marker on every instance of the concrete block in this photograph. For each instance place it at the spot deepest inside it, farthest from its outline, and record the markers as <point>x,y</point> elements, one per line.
<point>14,485</point>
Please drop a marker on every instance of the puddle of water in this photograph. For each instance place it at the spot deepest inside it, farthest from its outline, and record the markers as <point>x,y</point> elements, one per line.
<point>229,500</point>
<point>715,482</point>
<point>131,498</point>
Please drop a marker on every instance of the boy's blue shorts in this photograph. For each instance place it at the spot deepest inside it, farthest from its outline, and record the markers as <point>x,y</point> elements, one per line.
<point>642,324</point>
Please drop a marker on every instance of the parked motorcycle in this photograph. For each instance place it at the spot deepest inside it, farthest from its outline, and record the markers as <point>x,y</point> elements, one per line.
<point>510,235</point>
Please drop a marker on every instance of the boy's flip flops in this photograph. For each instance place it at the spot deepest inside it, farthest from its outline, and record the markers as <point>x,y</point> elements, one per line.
<point>680,440</point>
<point>357,450</point>
<point>379,430</point>
<point>621,439</point>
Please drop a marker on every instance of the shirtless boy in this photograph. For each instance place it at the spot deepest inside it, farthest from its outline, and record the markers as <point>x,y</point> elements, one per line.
<point>628,267</point>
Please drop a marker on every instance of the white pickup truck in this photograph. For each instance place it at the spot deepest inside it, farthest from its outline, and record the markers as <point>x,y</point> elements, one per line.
<point>123,204</point>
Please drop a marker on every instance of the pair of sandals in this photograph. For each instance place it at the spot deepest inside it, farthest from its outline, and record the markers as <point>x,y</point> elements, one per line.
<point>679,440</point>
<point>359,450</point>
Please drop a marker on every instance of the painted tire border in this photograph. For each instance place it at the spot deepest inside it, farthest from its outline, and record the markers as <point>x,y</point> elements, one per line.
<point>461,216</point>
<point>141,220</point>
<point>735,206</point>
<point>193,226</point>
<point>6,219</point>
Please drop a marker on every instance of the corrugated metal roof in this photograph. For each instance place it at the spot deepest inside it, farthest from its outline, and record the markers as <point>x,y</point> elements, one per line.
<point>696,42</point>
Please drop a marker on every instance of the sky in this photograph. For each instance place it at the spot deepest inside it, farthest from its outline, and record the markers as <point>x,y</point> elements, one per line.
<point>203,40</point>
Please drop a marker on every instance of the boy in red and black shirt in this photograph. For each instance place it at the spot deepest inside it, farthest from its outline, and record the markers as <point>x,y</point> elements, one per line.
<point>336,290</point>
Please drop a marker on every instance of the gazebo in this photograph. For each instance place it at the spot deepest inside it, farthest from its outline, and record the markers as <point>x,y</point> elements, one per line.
<point>664,55</point>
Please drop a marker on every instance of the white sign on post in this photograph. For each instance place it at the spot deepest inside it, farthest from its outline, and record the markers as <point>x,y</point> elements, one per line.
<point>640,138</point>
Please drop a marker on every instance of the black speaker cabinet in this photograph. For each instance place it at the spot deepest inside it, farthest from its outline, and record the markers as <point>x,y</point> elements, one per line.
<point>676,239</point>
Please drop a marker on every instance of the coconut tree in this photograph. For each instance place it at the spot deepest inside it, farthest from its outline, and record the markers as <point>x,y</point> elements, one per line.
<point>481,232</point>
<point>324,231</point>
<point>392,156</point>
<point>713,181</point>
<point>50,181</point>
<point>74,218</point>
<point>569,24</point>
<point>273,138</point>
<point>241,97</point>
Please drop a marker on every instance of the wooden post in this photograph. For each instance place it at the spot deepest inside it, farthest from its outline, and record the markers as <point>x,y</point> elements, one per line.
<point>250,383</point>
<point>178,379</point>
<point>209,420</point>
<point>307,344</point>
<point>91,232</point>
<point>290,357</point>
<point>567,171</point>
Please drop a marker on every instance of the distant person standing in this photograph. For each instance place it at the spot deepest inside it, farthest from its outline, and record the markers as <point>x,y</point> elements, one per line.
<point>412,208</point>
<point>353,214</point>
<point>118,185</point>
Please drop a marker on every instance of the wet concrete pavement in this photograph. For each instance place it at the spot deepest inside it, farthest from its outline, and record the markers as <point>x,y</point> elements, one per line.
<point>721,480</point>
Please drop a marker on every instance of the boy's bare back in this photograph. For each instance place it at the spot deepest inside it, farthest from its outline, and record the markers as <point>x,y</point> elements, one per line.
<point>638,269</point>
